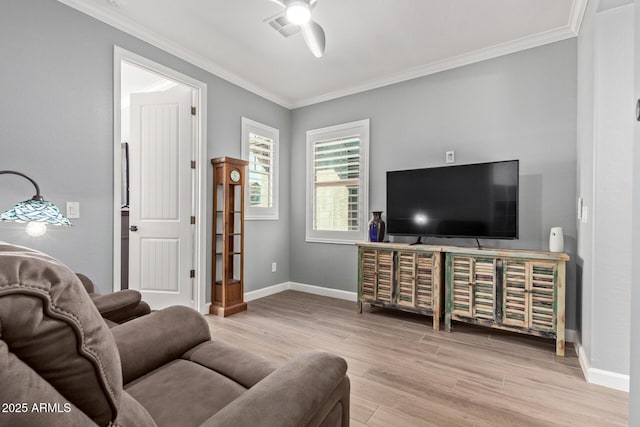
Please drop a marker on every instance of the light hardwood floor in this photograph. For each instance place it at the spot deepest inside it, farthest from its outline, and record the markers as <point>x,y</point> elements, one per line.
<point>403,373</point>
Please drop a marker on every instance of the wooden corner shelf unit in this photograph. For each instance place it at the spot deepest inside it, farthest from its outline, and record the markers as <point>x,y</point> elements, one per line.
<point>227,263</point>
<point>514,290</point>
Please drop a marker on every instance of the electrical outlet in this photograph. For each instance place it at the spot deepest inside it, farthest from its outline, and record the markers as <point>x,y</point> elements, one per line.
<point>274,267</point>
<point>450,157</point>
<point>73,210</point>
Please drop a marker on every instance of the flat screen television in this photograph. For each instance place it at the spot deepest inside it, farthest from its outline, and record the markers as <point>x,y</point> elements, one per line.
<point>472,201</point>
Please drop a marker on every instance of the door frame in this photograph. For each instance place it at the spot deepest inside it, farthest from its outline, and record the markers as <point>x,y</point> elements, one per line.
<point>199,150</point>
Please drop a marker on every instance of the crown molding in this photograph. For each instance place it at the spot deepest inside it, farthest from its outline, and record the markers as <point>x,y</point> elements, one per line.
<point>151,37</point>
<point>105,15</point>
<point>479,55</point>
<point>578,9</point>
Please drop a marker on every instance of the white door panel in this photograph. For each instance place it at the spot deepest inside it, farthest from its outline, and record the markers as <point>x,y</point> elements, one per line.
<point>160,207</point>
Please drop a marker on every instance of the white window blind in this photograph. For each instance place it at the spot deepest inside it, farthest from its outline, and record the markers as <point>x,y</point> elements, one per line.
<point>336,187</point>
<point>260,149</point>
<point>260,171</point>
<point>337,182</point>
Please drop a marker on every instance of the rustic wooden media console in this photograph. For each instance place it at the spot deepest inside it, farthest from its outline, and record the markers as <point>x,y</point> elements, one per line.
<point>514,290</point>
<point>402,277</point>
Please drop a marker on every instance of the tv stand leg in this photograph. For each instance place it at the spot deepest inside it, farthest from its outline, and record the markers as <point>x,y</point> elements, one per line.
<point>447,322</point>
<point>417,242</point>
<point>560,346</point>
<point>478,243</point>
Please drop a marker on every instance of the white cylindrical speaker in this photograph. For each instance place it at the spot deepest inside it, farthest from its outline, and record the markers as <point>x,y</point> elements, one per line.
<point>556,240</point>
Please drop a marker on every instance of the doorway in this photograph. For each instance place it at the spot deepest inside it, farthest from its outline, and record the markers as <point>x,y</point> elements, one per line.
<point>159,149</point>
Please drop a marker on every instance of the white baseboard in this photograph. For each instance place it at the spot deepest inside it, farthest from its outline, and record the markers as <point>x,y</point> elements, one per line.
<point>327,292</point>
<point>257,294</point>
<point>265,292</point>
<point>205,309</point>
<point>599,376</point>
<point>301,287</point>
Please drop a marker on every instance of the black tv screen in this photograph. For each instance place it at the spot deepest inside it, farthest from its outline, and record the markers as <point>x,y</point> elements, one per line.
<point>477,201</point>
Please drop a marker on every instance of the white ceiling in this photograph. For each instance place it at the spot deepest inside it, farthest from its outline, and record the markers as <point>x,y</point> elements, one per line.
<point>137,80</point>
<point>370,43</point>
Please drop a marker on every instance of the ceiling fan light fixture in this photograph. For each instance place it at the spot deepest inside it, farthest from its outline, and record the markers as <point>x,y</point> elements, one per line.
<point>298,12</point>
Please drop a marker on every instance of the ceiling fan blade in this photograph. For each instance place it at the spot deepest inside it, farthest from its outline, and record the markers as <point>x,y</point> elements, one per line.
<point>313,35</point>
<point>282,3</point>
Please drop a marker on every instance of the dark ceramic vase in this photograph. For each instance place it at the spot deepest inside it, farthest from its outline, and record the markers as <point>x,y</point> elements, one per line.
<point>376,227</point>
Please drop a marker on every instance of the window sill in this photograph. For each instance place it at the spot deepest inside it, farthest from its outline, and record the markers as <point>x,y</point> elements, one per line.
<point>332,241</point>
<point>260,218</point>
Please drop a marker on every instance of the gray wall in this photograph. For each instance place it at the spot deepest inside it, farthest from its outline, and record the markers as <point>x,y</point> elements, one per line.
<point>613,170</point>
<point>634,395</point>
<point>519,106</point>
<point>605,168</point>
<point>56,125</point>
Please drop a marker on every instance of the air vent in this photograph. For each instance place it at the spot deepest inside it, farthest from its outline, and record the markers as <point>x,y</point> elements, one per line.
<point>282,25</point>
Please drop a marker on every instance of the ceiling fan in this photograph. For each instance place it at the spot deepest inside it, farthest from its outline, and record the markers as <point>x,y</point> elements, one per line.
<point>298,12</point>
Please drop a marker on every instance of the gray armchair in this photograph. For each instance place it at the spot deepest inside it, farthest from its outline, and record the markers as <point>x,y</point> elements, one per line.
<point>117,307</point>
<point>162,369</point>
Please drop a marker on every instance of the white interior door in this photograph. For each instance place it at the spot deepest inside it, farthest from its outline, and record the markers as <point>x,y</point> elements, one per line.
<point>160,238</point>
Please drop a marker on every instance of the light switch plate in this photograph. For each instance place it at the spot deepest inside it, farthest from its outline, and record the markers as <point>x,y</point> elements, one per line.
<point>580,206</point>
<point>73,210</point>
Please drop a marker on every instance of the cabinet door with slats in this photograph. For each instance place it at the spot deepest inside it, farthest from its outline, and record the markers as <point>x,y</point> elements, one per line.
<point>462,280</point>
<point>406,276</point>
<point>369,260</point>
<point>424,280</point>
<point>542,305</point>
<point>515,301</point>
<point>484,288</point>
<point>384,274</point>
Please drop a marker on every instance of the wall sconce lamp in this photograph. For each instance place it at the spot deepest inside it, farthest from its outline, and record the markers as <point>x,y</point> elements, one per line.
<point>36,212</point>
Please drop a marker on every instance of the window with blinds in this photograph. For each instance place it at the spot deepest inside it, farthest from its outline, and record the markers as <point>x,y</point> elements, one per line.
<point>260,171</point>
<point>260,149</point>
<point>337,178</point>
<point>336,184</point>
